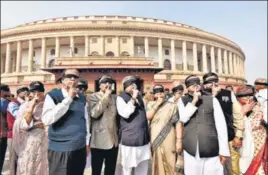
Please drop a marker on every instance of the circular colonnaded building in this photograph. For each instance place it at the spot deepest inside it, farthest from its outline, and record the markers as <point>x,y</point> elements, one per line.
<point>157,51</point>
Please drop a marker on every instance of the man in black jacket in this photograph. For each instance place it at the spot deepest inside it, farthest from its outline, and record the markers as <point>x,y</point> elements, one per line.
<point>233,117</point>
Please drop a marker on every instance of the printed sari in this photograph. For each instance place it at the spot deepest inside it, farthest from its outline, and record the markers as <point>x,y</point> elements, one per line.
<point>259,164</point>
<point>163,139</point>
<point>30,143</point>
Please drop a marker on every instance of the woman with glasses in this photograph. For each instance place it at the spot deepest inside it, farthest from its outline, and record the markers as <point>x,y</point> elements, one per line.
<point>29,138</point>
<point>166,133</point>
<point>254,151</point>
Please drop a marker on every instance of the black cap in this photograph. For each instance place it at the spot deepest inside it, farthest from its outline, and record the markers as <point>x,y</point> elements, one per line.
<point>37,86</point>
<point>82,83</point>
<point>4,87</point>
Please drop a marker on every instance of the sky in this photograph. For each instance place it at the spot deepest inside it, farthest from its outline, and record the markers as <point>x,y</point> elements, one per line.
<point>244,22</point>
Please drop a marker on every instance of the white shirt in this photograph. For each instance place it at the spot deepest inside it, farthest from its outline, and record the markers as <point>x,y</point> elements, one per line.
<point>52,113</point>
<point>186,112</point>
<point>13,107</point>
<point>263,100</point>
<point>130,156</point>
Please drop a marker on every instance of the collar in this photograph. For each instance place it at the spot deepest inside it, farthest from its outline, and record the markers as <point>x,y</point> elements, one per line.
<point>65,93</point>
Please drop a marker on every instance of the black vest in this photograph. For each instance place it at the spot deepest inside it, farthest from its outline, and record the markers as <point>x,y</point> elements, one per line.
<point>134,131</point>
<point>201,127</point>
<point>225,99</point>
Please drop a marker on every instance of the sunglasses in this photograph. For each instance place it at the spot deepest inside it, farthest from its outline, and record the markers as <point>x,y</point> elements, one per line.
<point>71,76</point>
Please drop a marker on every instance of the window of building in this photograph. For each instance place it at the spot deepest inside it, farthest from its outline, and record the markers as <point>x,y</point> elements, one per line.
<point>109,40</point>
<point>94,40</point>
<point>125,54</point>
<point>124,22</point>
<point>166,52</point>
<point>167,65</point>
<point>110,54</point>
<point>94,53</point>
<point>51,63</point>
<point>124,40</point>
<point>76,50</point>
<point>52,52</point>
<point>33,53</point>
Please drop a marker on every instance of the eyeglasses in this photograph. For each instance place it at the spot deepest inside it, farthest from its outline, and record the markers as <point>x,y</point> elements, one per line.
<point>71,76</point>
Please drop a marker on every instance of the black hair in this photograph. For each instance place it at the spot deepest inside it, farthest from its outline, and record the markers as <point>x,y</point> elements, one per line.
<point>209,74</point>
<point>158,85</point>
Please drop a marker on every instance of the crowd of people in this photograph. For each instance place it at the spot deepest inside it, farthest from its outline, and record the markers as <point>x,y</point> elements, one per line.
<point>197,129</point>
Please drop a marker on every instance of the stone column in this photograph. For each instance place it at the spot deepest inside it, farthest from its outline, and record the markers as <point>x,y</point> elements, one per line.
<point>86,45</point>
<point>146,46</point>
<point>204,58</point>
<point>231,69</point>
<point>117,43</point>
<point>212,58</point>
<point>102,43</point>
<point>238,66</point>
<point>233,62</point>
<point>30,56</point>
<point>57,49</point>
<point>132,52</point>
<point>172,49</point>
<point>8,59</point>
<point>184,56</point>
<point>2,63</point>
<point>243,68</point>
<point>43,53</point>
<point>219,61</point>
<point>19,57</point>
<point>160,56</point>
<point>225,62</point>
<point>195,57</point>
<point>71,54</point>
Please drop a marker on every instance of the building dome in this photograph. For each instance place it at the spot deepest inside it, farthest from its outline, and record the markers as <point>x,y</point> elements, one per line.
<point>115,45</point>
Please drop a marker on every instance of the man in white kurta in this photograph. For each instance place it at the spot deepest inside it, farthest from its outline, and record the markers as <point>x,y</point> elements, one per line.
<point>134,149</point>
<point>194,165</point>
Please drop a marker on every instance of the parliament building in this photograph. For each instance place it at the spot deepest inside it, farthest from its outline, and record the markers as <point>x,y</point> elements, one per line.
<point>155,50</point>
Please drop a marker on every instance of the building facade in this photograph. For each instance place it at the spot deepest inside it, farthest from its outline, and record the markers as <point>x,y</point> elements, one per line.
<point>171,51</point>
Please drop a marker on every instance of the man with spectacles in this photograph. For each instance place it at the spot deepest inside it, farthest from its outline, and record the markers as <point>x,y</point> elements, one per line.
<point>233,116</point>
<point>65,113</point>
<point>205,140</point>
<point>134,147</point>
<point>104,140</point>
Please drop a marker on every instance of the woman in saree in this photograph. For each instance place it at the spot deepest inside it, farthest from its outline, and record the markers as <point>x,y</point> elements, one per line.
<point>256,132</point>
<point>30,139</point>
<point>166,134</point>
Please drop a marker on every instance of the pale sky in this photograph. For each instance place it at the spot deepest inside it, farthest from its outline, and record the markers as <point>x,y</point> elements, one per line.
<point>245,23</point>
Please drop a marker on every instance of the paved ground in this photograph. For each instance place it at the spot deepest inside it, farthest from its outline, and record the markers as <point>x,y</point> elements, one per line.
<point>87,171</point>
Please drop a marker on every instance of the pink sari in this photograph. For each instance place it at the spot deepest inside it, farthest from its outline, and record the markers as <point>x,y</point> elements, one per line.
<point>30,144</point>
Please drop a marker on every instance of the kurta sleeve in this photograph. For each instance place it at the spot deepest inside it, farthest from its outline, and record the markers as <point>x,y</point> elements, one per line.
<point>186,112</point>
<point>221,128</point>
<point>51,112</point>
<point>87,125</point>
<point>124,109</point>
